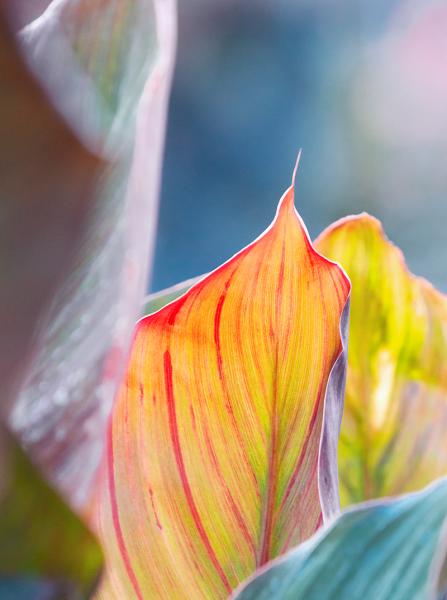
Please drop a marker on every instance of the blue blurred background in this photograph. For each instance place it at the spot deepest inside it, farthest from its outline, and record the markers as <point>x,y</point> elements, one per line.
<point>361,86</point>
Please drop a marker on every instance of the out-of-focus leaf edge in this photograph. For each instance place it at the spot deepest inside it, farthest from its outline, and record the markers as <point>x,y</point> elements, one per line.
<point>42,542</point>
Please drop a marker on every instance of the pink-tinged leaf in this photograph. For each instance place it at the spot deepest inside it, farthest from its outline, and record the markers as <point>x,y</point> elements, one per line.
<point>47,186</point>
<point>23,12</point>
<point>222,446</point>
<point>106,65</point>
<point>393,436</point>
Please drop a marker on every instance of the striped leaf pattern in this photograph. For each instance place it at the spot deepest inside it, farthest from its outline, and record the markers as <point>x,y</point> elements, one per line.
<point>222,446</point>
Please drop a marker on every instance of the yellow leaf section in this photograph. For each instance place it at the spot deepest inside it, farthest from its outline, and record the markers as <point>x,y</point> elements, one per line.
<point>214,444</point>
<point>393,437</point>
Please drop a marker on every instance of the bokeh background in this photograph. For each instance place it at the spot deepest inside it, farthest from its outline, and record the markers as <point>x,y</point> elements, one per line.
<point>360,86</point>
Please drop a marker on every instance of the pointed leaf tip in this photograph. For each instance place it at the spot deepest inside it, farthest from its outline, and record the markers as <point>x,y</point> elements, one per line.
<point>297,163</point>
<point>216,457</point>
<point>286,205</point>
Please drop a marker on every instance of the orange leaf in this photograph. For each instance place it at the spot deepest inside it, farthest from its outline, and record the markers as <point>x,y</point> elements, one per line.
<point>222,447</point>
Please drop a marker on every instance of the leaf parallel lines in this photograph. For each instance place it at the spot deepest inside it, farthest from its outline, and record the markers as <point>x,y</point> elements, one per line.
<point>233,506</point>
<point>320,393</point>
<point>175,439</point>
<point>154,510</point>
<point>255,356</point>
<point>297,517</point>
<point>303,452</point>
<point>339,286</point>
<point>230,448</point>
<point>116,520</point>
<point>236,428</point>
<point>272,469</point>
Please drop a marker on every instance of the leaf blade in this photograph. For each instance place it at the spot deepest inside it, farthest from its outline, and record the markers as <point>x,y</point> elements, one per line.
<point>120,112</point>
<point>392,437</point>
<point>224,427</point>
<point>378,550</point>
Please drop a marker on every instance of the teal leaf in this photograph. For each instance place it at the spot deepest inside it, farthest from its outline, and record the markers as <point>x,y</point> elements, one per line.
<point>380,550</point>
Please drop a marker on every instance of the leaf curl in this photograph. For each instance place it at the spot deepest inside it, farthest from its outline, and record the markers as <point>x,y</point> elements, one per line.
<point>393,430</point>
<point>106,67</point>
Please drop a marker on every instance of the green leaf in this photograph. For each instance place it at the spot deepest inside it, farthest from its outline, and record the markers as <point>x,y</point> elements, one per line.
<point>381,550</point>
<point>45,550</point>
<point>157,300</point>
<point>393,436</point>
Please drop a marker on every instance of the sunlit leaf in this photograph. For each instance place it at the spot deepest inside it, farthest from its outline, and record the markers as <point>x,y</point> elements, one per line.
<point>45,551</point>
<point>222,448</point>
<point>393,436</point>
<point>106,65</point>
<point>382,550</point>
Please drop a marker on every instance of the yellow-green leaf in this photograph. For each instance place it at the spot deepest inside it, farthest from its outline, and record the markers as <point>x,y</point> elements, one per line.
<point>222,446</point>
<point>43,545</point>
<point>393,436</point>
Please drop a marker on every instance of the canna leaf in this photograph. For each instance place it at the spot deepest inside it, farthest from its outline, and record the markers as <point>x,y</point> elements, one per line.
<point>381,550</point>
<point>45,550</point>
<point>393,430</point>
<point>222,446</point>
<point>106,67</point>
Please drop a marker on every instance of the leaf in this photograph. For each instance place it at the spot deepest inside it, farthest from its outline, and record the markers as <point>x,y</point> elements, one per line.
<point>157,300</point>
<point>106,65</point>
<point>381,550</point>
<point>222,447</point>
<point>45,550</point>
<point>43,213</point>
<point>393,430</point>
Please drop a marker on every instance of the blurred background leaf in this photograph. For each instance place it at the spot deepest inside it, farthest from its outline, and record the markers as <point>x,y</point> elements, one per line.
<point>47,185</point>
<point>46,552</point>
<point>106,68</point>
<point>393,436</point>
